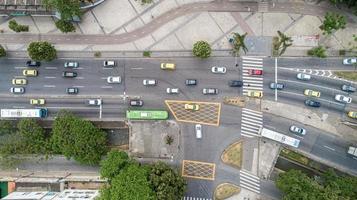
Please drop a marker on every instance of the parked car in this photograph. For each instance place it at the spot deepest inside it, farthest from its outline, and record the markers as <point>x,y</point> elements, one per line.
<point>109,63</point>
<point>19,81</point>
<point>71,64</point>
<point>198,131</point>
<point>348,88</point>
<point>218,70</point>
<point>352,114</point>
<point>210,91</point>
<point>235,83</point>
<point>68,74</point>
<point>192,106</point>
<point>312,103</point>
<point>191,82</point>
<point>349,61</point>
<point>29,72</point>
<point>297,130</point>
<point>150,82</point>
<point>255,94</point>
<point>17,90</point>
<point>32,63</point>
<point>343,99</point>
<point>312,93</point>
<point>172,90</point>
<point>114,79</point>
<point>304,77</point>
<point>94,102</point>
<point>171,66</point>
<point>278,86</point>
<point>72,90</point>
<point>37,102</point>
<point>255,72</point>
<point>136,102</point>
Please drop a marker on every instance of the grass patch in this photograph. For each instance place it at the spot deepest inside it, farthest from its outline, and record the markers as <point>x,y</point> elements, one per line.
<point>233,155</point>
<point>225,190</point>
<point>147,53</point>
<point>292,155</point>
<point>349,75</point>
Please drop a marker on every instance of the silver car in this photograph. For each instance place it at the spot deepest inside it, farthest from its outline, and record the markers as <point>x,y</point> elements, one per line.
<point>198,131</point>
<point>210,91</point>
<point>304,77</point>
<point>218,70</point>
<point>17,90</point>
<point>297,130</point>
<point>149,82</point>
<point>71,64</point>
<point>349,61</point>
<point>343,99</point>
<point>94,102</point>
<point>114,79</point>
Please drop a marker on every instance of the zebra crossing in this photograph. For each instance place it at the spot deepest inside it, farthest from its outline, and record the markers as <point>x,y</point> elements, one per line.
<point>252,121</point>
<point>249,181</point>
<point>195,198</point>
<point>250,82</point>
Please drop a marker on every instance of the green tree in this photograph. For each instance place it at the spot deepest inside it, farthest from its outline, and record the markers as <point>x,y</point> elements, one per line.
<point>2,51</point>
<point>66,8</point>
<point>319,51</point>
<point>13,25</point>
<point>166,182</point>
<point>333,22</point>
<point>32,136</point>
<point>343,186</point>
<point>350,4</point>
<point>114,163</point>
<point>65,26</point>
<point>202,49</point>
<point>281,43</point>
<point>40,51</point>
<point>238,43</point>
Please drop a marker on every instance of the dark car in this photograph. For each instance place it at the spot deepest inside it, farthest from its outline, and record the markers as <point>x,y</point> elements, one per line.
<point>235,83</point>
<point>348,88</point>
<point>191,82</point>
<point>278,86</point>
<point>136,102</point>
<point>32,63</point>
<point>312,103</point>
<point>68,74</point>
<point>72,90</point>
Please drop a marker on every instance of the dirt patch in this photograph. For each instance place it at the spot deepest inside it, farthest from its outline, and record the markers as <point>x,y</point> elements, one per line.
<point>225,190</point>
<point>349,75</point>
<point>233,155</point>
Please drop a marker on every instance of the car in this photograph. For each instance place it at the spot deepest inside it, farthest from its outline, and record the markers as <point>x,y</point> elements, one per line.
<point>32,63</point>
<point>349,61</point>
<point>37,102</point>
<point>255,94</point>
<point>352,114</point>
<point>278,86</point>
<point>191,82</point>
<point>191,106</point>
<point>114,79</point>
<point>150,82</point>
<point>235,83</point>
<point>312,93</point>
<point>210,91</point>
<point>255,72</point>
<point>136,102</point>
<point>94,102</point>
<point>312,103</point>
<point>348,88</point>
<point>71,64</point>
<point>29,72</point>
<point>109,63</point>
<point>297,130</point>
<point>343,99</point>
<point>171,66</point>
<point>304,77</point>
<point>72,90</point>
<point>17,90</point>
<point>172,90</point>
<point>68,74</point>
<point>218,70</point>
<point>198,131</point>
<point>19,81</point>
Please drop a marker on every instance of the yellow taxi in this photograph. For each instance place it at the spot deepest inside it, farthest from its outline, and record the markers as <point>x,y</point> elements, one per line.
<point>312,93</point>
<point>19,81</point>
<point>37,101</point>
<point>194,107</point>
<point>255,94</point>
<point>352,114</point>
<point>29,72</point>
<point>171,66</point>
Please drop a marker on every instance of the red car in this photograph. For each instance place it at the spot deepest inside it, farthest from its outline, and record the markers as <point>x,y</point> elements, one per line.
<point>255,72</point>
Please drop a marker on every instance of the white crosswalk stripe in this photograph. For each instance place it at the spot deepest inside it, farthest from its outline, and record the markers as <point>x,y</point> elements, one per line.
<point>250,82</point>
<point>195,198</point>
<point>251,122</point>
<point>249,181</point>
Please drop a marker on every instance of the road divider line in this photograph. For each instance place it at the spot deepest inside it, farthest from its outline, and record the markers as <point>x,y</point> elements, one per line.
<point>106,87</point>
<point>50,67</point>
<point>327,147</point>
<point>78,86</point>
<point>18,107</point>
<point>80,77</point>
<point>253,78</point>
<point>136,68</point>
<point>312,85</point>
<point>20,67</point>
<point>49,86</point>
<point>296,94</point>
<point>50,77</point>
<point>103,77</point>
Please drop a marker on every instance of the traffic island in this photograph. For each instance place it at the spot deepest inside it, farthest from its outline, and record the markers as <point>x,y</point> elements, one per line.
<point>233,155</point>
<point>225,190</point>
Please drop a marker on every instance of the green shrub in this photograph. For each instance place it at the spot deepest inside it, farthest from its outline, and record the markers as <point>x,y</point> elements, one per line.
<point>13,25</point>
<point>319,52</point>
<point>147,53</point>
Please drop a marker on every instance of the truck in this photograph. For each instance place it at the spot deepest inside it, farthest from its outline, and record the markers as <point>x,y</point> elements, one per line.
<point>280,137</point>
<point>24,113</point>
<point>352,151</point>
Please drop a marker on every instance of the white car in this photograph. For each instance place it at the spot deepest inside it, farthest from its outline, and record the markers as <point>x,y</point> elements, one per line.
<point>94,102</point>
<point>349,61</point>
<point>198,131</point>
<point>172,90</point>
<point>17,90</point>
<point>71,64</point>
<point>302,76</point>
<point>343,99</point>
<point>218,70</point>
<point>297,130</point>
<point>113,79</point>
<point>109,63</point>
<point>149,82</point>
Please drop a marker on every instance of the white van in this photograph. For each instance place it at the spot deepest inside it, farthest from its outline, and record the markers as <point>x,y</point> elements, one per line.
<point>198,130</point>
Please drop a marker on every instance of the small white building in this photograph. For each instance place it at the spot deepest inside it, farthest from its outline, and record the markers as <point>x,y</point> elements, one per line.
<point>64,195</point>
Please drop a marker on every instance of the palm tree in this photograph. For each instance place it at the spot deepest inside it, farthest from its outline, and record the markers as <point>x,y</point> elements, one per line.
<point>238,43</point>
<point>284,43</point>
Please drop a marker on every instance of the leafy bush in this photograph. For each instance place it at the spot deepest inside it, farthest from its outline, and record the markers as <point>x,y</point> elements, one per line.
<point>13,25</point>
<point>2,51</point>
<point>65,26</point>
<point>147,54</point>
<point>202,49</point>
<point>42,51</point>
<point>319,51</point>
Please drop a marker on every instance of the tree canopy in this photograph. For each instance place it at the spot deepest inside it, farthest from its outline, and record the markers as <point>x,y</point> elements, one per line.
<point>67,8</point>
<point>202,49</point>
<point>42,51</point>
<point>115,162</point>
<point>333,22</point>
<point>238,43</point>
<point>65,26</point>
<point>281,43</point>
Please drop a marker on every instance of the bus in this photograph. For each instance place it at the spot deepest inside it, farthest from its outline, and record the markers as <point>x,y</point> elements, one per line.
<point>280,137</point>
<point>24,113</point>
<point>147,114</point>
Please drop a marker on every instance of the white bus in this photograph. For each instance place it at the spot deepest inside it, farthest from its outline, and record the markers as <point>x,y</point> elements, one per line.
<point>24,113</point>
<point>280,137</point>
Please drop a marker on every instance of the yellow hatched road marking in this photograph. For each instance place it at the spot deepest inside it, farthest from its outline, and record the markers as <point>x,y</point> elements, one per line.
<point>198,170</point>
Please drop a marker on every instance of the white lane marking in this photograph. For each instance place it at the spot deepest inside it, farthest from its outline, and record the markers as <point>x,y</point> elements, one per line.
<point>137,68</point>
<point>79,108</point>
<point>252,88</point>
<point>104,77</point>
<point>50,67</point>
<point>107,87</point>
<point>80,77</point>
<point>20,67</point>
<point>332,102</point>
<point>253,78</point>
<point>253,58</point>
<point>18,107</point>
<point>250,81</point>
<point>79,68</point>
<point>78,86</point>
<point>332,149</point>
<point>312,85</point>
<point>49,86</point>
<point>50,77</point>
<point>254,62</point>
<point>253,84</point>
<point>252,66</point>
<point>19,76</point>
